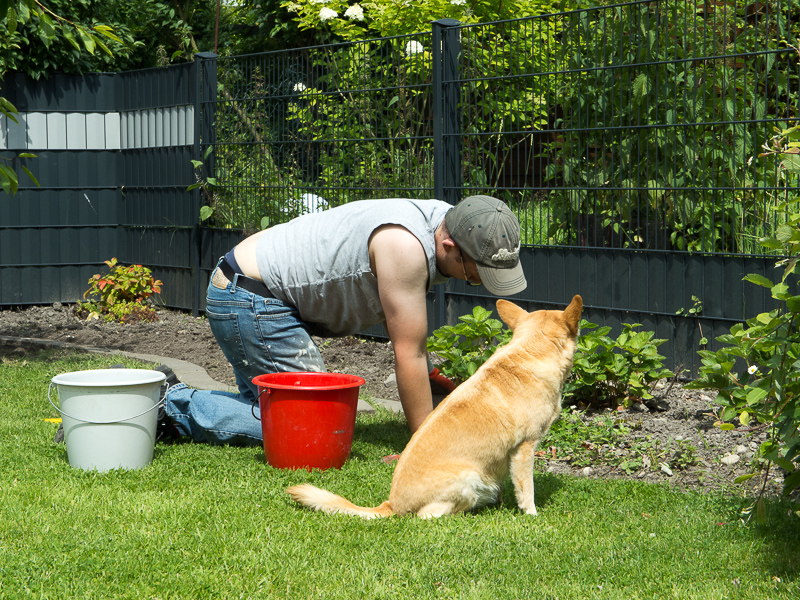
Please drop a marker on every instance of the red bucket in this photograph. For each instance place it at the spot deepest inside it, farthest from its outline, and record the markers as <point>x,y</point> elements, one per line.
<point>307,419</point>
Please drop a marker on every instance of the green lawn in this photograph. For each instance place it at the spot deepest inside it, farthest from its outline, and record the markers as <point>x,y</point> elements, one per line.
<point>214,522</point>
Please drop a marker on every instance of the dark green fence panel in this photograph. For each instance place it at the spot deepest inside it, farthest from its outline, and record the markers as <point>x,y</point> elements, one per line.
<point>113,160</point>
<point>653,289</point>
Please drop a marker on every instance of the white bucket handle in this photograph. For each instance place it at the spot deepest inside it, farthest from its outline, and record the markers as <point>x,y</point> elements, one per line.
<point>61,412</point>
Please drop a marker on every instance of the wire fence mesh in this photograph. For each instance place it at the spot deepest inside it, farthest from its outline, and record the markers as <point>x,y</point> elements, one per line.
<point>636,125</point>
<point>299,131</point>
<point>631,126</point>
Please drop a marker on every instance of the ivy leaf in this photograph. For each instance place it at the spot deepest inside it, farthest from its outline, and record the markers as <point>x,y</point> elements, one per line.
<point>88,41</point>
<point>206,212</point>
<point>759,280</point>
<point>11,21</point>
<point>641,86</point>
<point>791,163</point>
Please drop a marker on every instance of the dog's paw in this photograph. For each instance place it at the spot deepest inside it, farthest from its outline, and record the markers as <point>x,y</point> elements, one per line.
<point>531,511</point>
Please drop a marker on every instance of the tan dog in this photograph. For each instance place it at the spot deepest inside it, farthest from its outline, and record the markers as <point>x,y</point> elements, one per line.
<point>487,428</point>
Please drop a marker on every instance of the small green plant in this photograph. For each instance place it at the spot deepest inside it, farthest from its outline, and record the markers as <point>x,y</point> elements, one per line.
<point>695,311</point>
<point>612,372</point>
<point>585,441</point>
<point>121,295</point>
<point>757,374</point>
<point>606,372</point>
<point>468,344</point>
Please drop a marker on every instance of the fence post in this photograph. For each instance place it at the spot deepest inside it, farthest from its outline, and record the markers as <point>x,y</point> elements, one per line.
<point>446,129</point>
<point>205,95</point>
<point>446,122</point>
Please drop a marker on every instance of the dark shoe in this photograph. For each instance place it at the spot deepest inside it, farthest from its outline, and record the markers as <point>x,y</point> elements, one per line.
<point>165,425</point>
<point>172,379</point>
<point>165,429</point>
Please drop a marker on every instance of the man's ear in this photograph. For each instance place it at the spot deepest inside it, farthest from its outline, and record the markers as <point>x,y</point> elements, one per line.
<point>448,243</point>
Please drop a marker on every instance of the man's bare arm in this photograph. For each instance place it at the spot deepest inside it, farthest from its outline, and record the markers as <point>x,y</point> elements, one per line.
<point>401,267</point>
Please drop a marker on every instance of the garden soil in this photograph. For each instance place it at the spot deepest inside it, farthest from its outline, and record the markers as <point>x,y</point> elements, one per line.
<point>672,440</point>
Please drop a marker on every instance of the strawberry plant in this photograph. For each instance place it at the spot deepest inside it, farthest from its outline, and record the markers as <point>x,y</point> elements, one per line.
<point>618,371</point>
<point>757,372</point>
<point>468,344</point>
<point>606,371</point>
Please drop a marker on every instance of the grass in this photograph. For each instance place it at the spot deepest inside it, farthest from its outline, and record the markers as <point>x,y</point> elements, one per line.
<point>214,522</point>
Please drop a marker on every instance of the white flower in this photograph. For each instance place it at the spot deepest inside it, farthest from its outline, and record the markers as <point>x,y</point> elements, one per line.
<point>326,14</point>
<point>355,13</point>
<point>298,87</point>
<point>752,369</point>
<point>413,47</point>
<point>458,2</point>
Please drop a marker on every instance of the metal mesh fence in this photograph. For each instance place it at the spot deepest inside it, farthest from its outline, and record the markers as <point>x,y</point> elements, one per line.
<point>635,125</point>
<point>629,126</point>
<point>298,131</point>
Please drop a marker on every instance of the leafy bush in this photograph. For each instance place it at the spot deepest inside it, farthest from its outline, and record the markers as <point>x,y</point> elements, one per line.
<point>610,372</point>
<point>606,371</point>
<point>121,295</point>
<point>369,18</point>
<point>467,345</point>
<point>354,121</point>
<point>63,36</point>
<point>757,374</point>
<point>631,177</point>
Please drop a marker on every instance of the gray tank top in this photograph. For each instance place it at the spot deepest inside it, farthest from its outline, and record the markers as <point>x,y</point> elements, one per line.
<point>319,263</point>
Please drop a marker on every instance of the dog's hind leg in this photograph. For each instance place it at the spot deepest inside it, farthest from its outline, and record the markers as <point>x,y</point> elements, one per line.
<point>522,475</point>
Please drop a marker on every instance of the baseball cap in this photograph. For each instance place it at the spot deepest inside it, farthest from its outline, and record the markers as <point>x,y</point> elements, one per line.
<point>486,230</point>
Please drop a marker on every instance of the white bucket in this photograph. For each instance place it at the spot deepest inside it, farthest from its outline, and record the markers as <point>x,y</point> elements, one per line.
<point>109,416</point>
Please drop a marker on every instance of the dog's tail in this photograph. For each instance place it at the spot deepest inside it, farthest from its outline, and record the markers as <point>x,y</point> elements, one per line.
<point>328,502</point>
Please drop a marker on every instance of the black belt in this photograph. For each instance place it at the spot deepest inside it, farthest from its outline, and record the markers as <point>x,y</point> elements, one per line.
<point>251,285</point>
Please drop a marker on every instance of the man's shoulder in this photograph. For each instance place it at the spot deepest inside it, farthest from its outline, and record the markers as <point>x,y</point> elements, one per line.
<point>395,238</point>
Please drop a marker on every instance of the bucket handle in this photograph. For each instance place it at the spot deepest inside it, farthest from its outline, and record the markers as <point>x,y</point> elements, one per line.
<point>257,399</point>
<point>61,412</point>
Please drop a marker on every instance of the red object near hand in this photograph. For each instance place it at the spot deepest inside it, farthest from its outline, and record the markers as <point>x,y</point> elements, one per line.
<point>436,377</point>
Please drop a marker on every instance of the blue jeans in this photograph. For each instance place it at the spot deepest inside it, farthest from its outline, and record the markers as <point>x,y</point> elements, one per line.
<point>257,335</point>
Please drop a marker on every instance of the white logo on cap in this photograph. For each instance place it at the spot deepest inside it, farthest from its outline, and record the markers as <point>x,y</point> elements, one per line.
<point>505,255</point>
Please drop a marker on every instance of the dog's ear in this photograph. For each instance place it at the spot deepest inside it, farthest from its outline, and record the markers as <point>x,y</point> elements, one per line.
<point>510,313</point>
<point>572,314</point>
